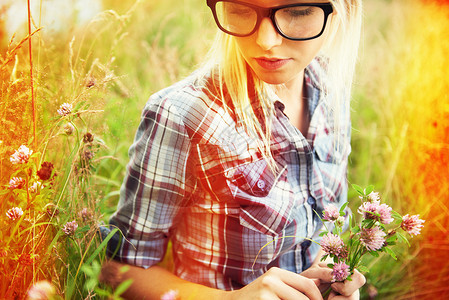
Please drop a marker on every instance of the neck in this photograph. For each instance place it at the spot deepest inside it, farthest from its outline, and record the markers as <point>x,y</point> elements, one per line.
<point>291,92</point>
<point>296,109</point>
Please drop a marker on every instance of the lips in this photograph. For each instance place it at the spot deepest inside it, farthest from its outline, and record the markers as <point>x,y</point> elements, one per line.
<point>271,63</point>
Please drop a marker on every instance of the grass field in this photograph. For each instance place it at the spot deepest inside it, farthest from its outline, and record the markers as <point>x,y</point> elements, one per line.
<point>107,69</point>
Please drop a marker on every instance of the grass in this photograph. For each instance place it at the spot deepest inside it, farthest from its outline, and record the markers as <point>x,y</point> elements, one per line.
<point>107,70</point>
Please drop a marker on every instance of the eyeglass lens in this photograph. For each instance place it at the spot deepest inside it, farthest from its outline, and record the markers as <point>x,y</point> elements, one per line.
<point>294,21</point>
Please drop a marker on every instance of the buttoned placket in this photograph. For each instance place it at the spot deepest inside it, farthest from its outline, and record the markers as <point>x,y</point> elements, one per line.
<point>305,153</point>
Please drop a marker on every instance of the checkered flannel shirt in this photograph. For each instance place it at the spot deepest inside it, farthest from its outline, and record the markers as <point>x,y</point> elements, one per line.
<point>196,178</point>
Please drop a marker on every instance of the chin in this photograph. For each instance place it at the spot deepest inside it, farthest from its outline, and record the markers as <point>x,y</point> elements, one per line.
<point>273,79</point>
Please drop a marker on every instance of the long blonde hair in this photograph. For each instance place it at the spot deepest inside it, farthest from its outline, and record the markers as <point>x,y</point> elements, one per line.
<point>339,51</point>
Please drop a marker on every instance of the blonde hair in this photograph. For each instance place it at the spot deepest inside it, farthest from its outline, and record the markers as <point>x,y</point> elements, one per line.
<point>339,51</point>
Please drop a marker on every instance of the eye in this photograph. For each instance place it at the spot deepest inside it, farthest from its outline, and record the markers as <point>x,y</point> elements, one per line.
<point>240,11</point>
<point>297,12</point>
<point>237,9</point>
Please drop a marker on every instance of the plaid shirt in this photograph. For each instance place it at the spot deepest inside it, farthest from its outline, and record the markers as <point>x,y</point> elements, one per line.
<point>197,179</point>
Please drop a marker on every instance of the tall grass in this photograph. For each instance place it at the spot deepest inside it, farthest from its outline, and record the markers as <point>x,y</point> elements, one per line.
<point>51,202</point>
<point>400,140</point>
<point>51,232</point>
<point>106,71</point>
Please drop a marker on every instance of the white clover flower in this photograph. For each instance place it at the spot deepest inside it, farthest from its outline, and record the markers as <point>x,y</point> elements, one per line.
<point>65,109</point>
<point>21,155</point>
<point>14,213</point>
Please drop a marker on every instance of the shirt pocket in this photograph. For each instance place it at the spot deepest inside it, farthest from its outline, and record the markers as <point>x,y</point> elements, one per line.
<point>327,152</point>
<point>330,168</point>
<point>264,197</point>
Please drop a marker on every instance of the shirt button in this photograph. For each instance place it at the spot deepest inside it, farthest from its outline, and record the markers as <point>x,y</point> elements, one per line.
<point>306,244</point>
<point>261,184</point>
<point>229,173</point>
<point>311,201</point>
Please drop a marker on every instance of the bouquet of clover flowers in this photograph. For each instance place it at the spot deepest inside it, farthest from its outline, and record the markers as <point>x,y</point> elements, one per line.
<point>370,236</point>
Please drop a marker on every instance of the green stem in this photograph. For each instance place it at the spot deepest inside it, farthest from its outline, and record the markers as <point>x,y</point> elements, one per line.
<point>327,293</point>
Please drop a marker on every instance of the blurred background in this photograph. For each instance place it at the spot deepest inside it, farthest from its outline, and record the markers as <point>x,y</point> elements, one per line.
<point>107,57</point>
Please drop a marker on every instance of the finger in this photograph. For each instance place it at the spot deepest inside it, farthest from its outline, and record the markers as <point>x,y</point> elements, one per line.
<point>321,271</point>
<point>299,283</point>
<point>334,296</point>
<point>347,287</point>
<point>286,292</point>
<point>317,281</point>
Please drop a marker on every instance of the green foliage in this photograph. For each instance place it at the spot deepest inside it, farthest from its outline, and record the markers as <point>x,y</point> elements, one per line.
<point>108,70</point>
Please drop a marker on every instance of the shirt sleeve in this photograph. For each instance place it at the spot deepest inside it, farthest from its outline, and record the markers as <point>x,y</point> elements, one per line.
<point>153,189</point>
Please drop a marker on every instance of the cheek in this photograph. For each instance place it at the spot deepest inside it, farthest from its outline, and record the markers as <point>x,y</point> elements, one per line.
<point>244,45</point>
<point>307,50</point>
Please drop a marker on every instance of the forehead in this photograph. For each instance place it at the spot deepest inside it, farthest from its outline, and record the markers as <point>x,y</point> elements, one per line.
<point>271,3</point>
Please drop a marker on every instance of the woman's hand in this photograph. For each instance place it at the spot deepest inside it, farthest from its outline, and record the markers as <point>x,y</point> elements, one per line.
<point>279,284</point>
<point>340,290</point>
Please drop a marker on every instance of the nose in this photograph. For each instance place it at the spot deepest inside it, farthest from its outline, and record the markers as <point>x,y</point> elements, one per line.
<point>267,36</point>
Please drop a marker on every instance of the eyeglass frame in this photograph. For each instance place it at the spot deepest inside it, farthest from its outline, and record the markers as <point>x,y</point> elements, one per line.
<point>269,12</point>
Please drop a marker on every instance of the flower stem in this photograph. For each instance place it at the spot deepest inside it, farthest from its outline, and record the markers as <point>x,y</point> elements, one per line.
<point>327,293</point>
<point>33,102</point>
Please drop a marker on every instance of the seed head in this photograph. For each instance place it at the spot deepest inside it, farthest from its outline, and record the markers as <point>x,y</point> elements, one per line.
<point>69,128</point>
<point>45,172</point>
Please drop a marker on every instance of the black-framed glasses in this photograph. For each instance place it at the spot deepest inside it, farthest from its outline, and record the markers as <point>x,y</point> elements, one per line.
<point>298,22</point>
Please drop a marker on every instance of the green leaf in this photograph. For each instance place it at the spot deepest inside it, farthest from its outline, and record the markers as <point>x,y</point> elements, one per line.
<point>102,292</point>
<point>396,215</point>
<point>342,208</point>
<point>402,238</point>
<point>391,252</point>
<point>374,253</point>
<point>363,269</point>
<point>324,257</point>
<point>351,221</point>
<point>101,246</point>
<point>392,239</point>
<point>330,266</point>
<point>369,190</point>
<point>78,106</point>
<point>355,229</point>
<point>323,233</point>
<point>123,287</point>
<point>87,270</point>
<point>90,284</point>
<point>368,223</point>
<point>358,189</point>
<point>124,269</point>
<point>80,231</point>
<point>350,243</point>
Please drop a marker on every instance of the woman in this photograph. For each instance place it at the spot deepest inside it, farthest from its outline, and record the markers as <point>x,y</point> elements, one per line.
<point>231,163</point>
